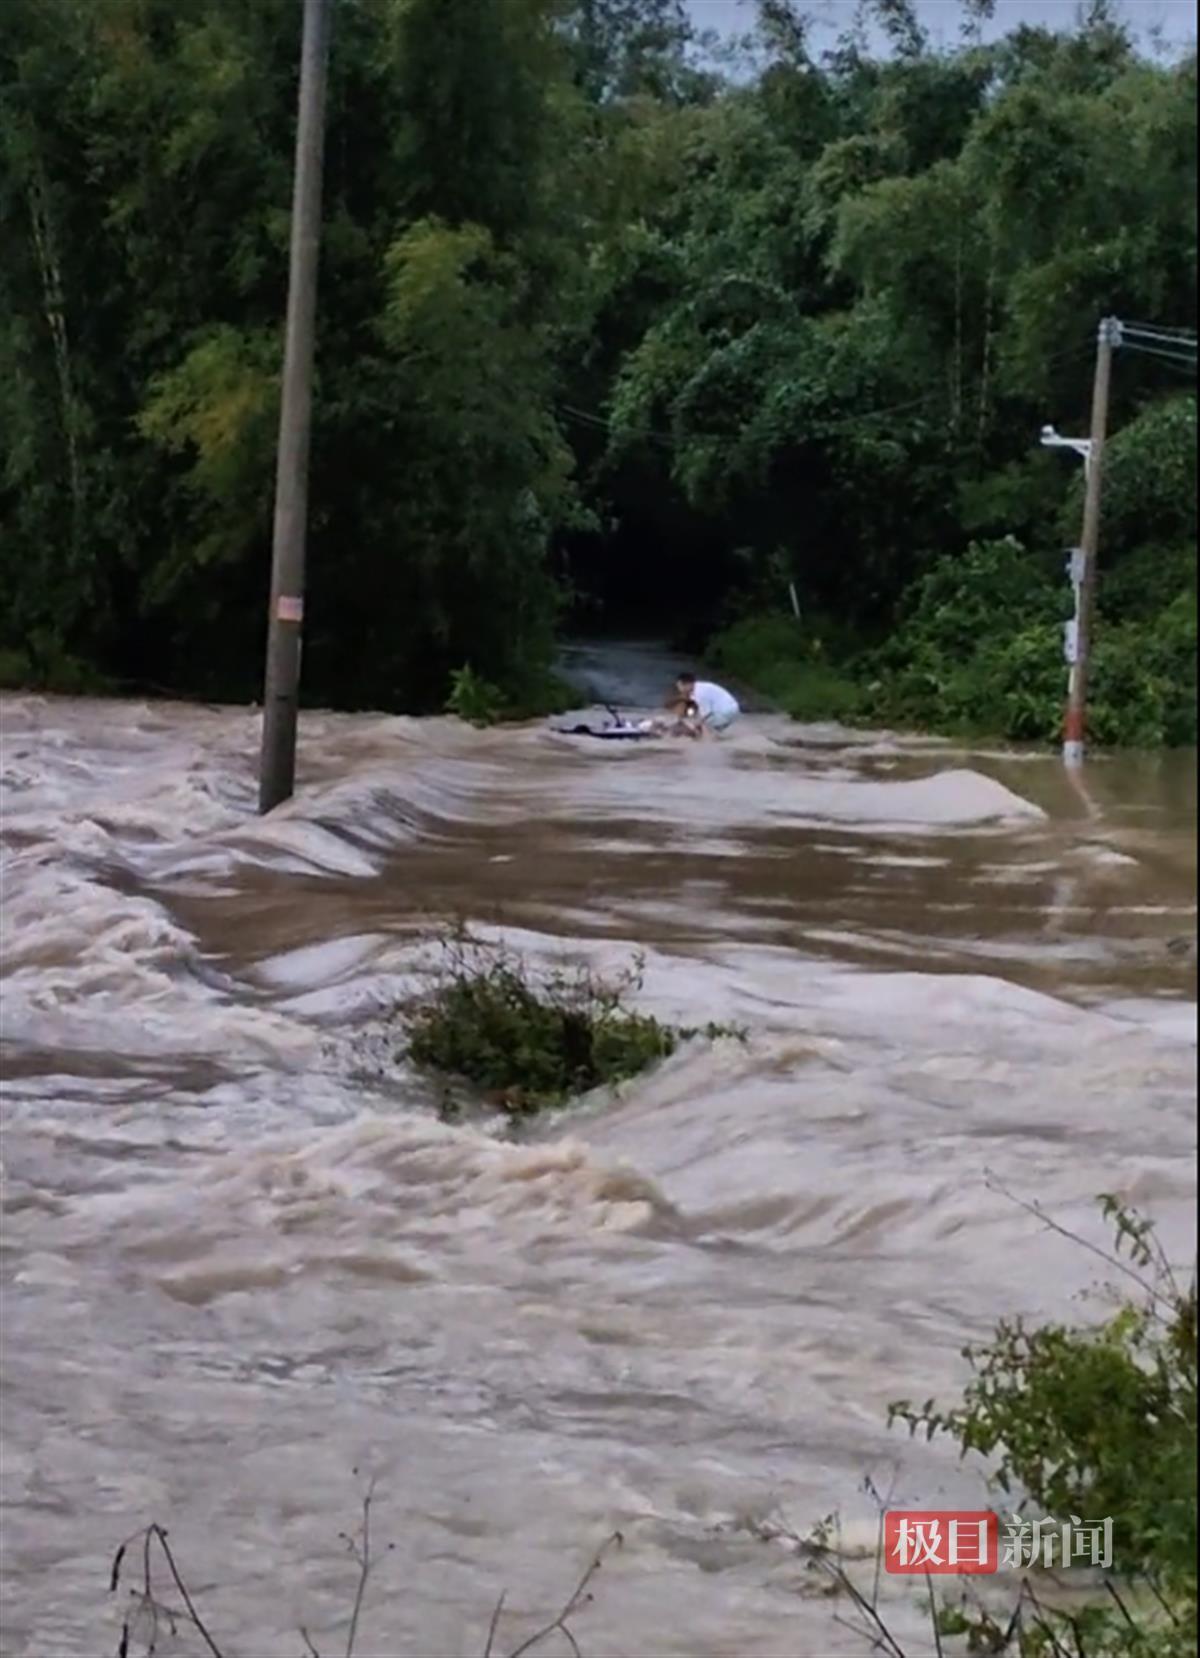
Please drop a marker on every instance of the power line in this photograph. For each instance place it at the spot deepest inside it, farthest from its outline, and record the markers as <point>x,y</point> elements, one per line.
<point>598,423</point>
<point>1183,335</point>
<point>1147,342</point>
<point>1186,370</point>
<point>1145,337</point>
<point>1164,356</point>
<point>852,421</point>
<point>584,418</point>
<point>1175,347</point>
<point>1152,340</point>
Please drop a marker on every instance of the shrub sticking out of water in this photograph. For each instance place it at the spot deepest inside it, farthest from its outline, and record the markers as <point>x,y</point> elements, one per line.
<point>481,703</point>
<point>531,1040</point>
<point>474,699</point>
<point>1090,1424</point>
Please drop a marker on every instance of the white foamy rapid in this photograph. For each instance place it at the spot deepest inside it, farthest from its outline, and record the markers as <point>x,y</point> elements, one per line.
<point>242,1257</point>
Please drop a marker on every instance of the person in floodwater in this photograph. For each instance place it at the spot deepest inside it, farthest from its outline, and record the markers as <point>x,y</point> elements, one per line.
<point>684,719</point>
<point>702,706</point>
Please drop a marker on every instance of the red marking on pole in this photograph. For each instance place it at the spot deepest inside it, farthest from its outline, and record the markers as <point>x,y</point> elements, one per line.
<point>1073,725</point>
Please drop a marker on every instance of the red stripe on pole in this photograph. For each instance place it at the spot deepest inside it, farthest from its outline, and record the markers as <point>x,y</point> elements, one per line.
<point>1073,725</point>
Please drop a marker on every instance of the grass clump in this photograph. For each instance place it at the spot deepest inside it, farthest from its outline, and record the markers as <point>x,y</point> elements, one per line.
<point>530,1040</point>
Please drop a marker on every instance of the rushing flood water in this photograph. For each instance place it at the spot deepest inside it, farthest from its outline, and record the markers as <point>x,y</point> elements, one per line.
<point>242,1257</point>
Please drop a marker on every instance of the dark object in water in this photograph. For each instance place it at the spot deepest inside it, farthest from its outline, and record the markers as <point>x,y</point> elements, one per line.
<point>617,730</point>
<point>607,733</point>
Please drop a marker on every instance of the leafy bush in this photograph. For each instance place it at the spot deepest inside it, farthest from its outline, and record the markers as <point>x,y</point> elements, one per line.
<point>45,665</point>
<point>537,694</point>
<point>956,608</point>
<point>480,703</point>
<point>788,662</point>
<point>532,1040</point>
<point>1018,685</point>
<point>475,700</point>
<point>980,649</point>
<point>1149,481</point>
<point>1143,682</point>
<point>15,670</point>
<point>945,668</point>
<point>1139,587</point>
<point>1096,1422</point>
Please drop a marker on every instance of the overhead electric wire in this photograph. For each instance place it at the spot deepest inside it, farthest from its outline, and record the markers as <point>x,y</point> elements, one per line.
<point>847,423</point>
<point>1159,350</point>
<point>1176,348</point>
<point>1146,343</point>
<point>1184,335</point>
<point>598,423</point>
<point>1163,356</point>
<point>1187,370</point>
<point>1130,336</point>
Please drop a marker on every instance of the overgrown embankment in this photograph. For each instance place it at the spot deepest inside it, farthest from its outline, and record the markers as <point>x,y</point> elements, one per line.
<point>976,641</point>
<point>978,650</point>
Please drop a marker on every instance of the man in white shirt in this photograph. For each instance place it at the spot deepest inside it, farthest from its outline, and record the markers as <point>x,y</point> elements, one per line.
<point>716,708</point>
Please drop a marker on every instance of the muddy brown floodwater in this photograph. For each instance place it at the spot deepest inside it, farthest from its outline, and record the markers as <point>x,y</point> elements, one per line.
<point>242,1257</point>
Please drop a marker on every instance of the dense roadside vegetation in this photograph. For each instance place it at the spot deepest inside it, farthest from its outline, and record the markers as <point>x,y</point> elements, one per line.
<point>616,328</point>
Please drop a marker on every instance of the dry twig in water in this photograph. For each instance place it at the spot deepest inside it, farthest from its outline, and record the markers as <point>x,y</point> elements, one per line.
<point>581,1597</point>
<point>360,1552</point>
<point>816,1552</point>
<point>147,1602</point>
<point>1032,1207</point>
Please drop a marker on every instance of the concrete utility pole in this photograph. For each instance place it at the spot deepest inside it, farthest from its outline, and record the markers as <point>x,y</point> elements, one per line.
<point>277,767</point>
<point>1075,720</point>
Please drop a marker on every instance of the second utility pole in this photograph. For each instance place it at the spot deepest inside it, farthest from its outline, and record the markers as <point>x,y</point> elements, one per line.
<point>277,766</point>
<point>1075,721</point>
